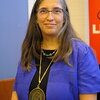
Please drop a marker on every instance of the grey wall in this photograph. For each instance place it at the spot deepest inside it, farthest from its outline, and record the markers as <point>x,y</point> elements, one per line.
<point>13,25</point>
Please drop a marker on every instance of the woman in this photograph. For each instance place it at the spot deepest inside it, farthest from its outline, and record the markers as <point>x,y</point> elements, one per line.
<point>55,64</point>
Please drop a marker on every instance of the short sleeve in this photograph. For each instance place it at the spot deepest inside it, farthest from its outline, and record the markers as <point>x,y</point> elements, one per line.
<point>88,72</point>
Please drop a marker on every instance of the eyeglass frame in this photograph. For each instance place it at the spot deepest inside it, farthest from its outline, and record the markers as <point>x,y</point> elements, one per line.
<point>47,11</point>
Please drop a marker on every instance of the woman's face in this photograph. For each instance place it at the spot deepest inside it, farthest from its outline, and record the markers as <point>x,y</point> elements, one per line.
<point>50,17</point>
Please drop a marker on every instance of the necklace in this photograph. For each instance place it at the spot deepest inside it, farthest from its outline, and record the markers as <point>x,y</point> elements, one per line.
<point>48,55</point>
<point>38,93</point>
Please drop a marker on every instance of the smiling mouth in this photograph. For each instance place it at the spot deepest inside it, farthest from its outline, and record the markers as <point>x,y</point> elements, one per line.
<point>50,25</point>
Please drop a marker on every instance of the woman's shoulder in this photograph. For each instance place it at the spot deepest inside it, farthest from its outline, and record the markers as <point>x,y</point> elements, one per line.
<point>19,67</point>
<point>84,52</point>
<point>80,46</point>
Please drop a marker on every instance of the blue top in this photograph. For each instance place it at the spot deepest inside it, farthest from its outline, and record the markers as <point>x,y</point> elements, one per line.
<point>65,82</point>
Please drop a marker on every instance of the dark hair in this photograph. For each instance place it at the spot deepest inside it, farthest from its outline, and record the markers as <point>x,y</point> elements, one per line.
<point>32,43</point>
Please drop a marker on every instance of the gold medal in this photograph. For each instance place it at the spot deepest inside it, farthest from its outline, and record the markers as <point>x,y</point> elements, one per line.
<point>37,94</point>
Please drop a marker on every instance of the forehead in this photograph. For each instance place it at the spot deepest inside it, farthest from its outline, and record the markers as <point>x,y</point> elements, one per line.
<point>50,4</point>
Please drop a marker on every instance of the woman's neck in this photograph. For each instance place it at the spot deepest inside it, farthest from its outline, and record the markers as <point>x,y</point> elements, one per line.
<point>50,43</point>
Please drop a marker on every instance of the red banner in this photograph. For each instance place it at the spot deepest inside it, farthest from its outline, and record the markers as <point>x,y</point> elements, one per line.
<point>94,26</point>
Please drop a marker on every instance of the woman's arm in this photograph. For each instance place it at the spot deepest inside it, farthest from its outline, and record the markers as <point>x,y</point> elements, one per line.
<point>88,96</point>
<point>14,96</point>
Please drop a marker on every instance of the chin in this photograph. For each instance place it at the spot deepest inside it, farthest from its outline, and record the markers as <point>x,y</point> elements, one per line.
<point>50,33</point>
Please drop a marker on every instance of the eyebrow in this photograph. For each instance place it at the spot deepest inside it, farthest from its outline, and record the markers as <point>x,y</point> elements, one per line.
<point>53,8</point>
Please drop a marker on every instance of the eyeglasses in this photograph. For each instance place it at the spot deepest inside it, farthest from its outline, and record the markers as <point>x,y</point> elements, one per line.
<point>43,12</point>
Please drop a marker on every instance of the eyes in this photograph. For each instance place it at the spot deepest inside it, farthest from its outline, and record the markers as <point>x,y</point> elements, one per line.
<point>54,11</point>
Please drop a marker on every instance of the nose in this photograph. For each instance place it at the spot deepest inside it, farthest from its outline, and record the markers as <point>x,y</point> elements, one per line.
<point>50,16</point>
